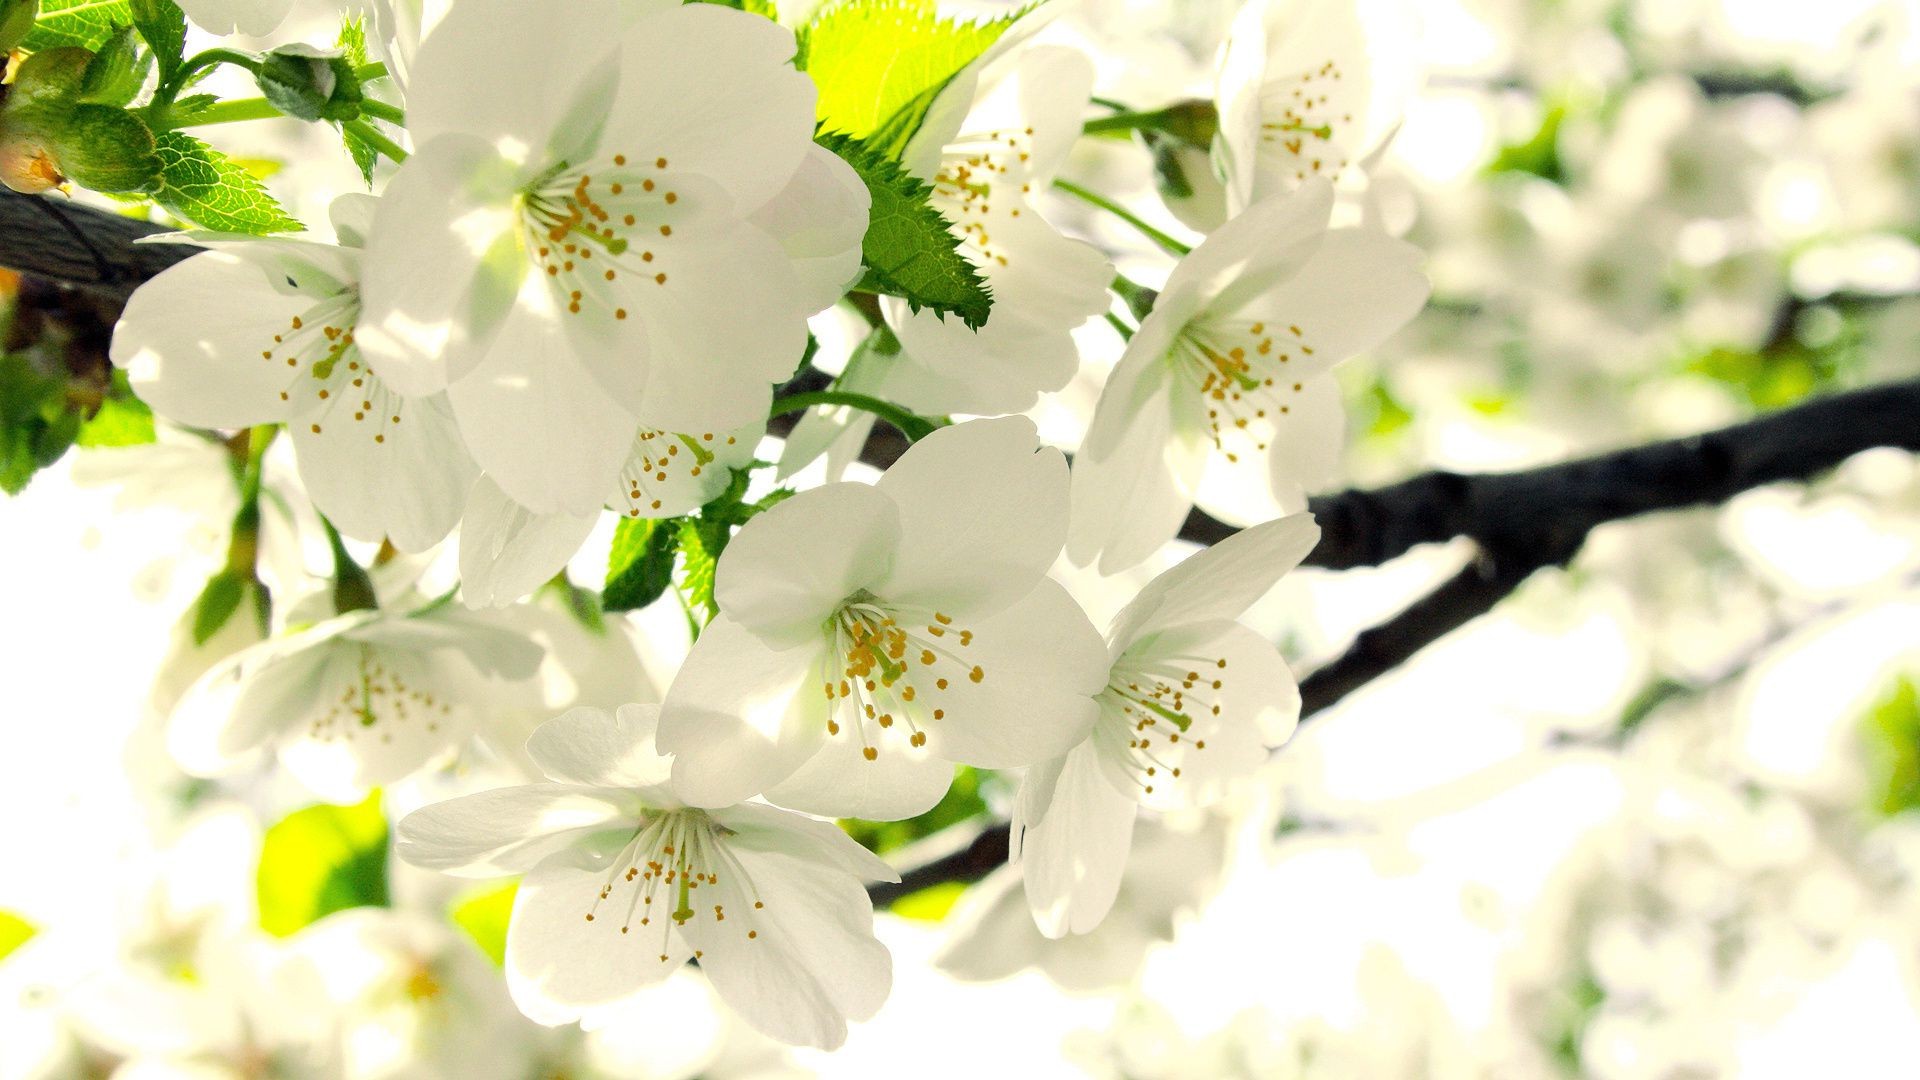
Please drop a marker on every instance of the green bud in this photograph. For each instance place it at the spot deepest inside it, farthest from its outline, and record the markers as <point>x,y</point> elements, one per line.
<point>115,73</point>
<point>16,21</point>
<point>107,149</point>
<point>49,76</point>
<point>310,83</point>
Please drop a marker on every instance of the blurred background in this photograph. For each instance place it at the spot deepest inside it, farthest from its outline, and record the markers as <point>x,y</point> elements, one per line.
<point>1653,818</point>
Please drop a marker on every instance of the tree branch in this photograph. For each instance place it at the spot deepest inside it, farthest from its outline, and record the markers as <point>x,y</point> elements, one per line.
<point>56,239</point>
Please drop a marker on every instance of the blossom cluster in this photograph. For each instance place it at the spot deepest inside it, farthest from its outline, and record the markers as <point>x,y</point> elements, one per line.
<point>575,296</point>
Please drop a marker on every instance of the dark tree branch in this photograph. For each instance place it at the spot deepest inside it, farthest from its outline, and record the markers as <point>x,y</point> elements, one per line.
<point>55,239</point>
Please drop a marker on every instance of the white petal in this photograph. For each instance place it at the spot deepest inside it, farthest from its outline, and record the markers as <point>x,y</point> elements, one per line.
<point>602,749</point>
<point>749,130</point>
<point>1134,477</point>
<point>509,830</point>
<point>254,18</point>
<point>740,715</point>
<point>791,567</point>
<point>508,551</point>
<point>765,828</point>
<point>1219,582</point>
<point>820,218</point>
<point>560,963</point>
<point>1040,661</point>
<point>537,420</point>
<point>382,466</point>
<point>243,703</point>
<point>442,266</point>
<point>1253,252</point>
<point>668,474</point>
<point>192,341</point>
<point>1359,288</point>
<point>351,215</point>
<point>491,648</point>
<point>899,782</point>
<point>983,513</point>
<point>813,962</point>
<point>1073,855</point>
<point>540,106</point>
<point>377,715</point>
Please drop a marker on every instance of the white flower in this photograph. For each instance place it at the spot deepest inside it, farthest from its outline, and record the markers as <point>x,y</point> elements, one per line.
<point>993,138</point>
<point>261,331</point>
<point>254,18</point>
<point>507,550</point>
<point>1307,88</point>
<point>352,703</point>
<point>871,636</point>
<point>1232,359</point>
<point>625,881</point>
<point>1193,703</point>
<point>624,227</point>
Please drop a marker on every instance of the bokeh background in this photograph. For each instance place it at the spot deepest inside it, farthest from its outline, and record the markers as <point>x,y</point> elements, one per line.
<point>1653,818</point>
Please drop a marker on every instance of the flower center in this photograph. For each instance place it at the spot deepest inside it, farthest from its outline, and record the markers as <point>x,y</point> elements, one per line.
<point>963,188</point>
<point>888,666</point>
<point>1148,711</point>
<point>375,700</point>
<point>329,386</point>
<point>662,461</point>
<point>599,230</point>
<point>667,862</point>
<point>1299,120</point>
<point>1241,372</point>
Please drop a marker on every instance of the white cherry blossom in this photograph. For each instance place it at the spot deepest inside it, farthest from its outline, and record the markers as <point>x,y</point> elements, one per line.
<point>1309,88</point>
<point>625,881</point>
<point>1224,382</point>
<point>626,230</point>
<point>869,637</point>
<point>1193,702</point>
<point>259,331</point>
<point>351,703</point>
<point>254,18</point>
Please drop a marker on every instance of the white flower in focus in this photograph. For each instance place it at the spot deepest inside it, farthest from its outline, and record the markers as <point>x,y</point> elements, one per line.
<point>351,703</point>
<point>1227,380</point>
<point>254,18</point>
<point>1308,88</point>
<point>869,637</point>
<point>507,550</point>
<point>993,138</point>
<point>262,331</point>
<point>1194,702</point>
<point>625,881</point>
<point>625,230</point>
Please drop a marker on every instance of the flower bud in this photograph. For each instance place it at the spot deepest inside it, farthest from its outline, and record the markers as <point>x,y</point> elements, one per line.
<point>16,21</point>
<point>25,164</point>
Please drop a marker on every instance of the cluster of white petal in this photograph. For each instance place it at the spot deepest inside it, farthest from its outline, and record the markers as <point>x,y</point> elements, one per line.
<point>575,297</point>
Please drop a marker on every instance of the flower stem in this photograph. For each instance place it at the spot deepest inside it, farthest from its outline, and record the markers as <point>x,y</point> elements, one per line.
<point>372,137</point>
<point>912,426</point>
<point>1120,326</point>
<point>169,90</point>
<point>1166,243</point>
<point>352,588</point>
<point>229,112</point>
<point>1121,123</point>
<point>380,110</point>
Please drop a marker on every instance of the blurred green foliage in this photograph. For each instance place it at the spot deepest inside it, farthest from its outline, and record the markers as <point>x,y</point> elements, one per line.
<point>320,860</point>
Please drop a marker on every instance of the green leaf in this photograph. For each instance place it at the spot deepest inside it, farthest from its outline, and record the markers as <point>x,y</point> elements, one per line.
<point>115,73</point>
<point>931,904</point>
<point>200,185</point>
<point>85,23</point>
<point>164,26</point>
<point>640,564</point>
<point>217,603</point>
<point>1892,730</point>
<point>352,44</point>
<point>702,540</point>
<point>36,423</point>
<point>14,932</point>
<point>910,250</point>
<point>483,914</point>
<point>16,22</point>
<point>880,63</point>
<point>320,860</point>
<point>121,420</point>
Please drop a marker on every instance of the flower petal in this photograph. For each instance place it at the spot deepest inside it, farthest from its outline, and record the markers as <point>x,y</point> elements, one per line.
<point>601,749</point>
<point>1133,480</point>
<point>383,466</point>
<point>376,716</point>
<point>741,715</point>
<point>509,830</point>
<point>767,828</point>
<point>1072,856</point>
<point>1218,582</point>
<point>983,512</point>
<point>839,781</point>
<point>791,567</point>
<point>508,551</point>
<point>1359,288</point>
<point>820,219</point>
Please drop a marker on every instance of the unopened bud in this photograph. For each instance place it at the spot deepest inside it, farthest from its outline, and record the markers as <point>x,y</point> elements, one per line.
<point>26,166</point>
<point>16,21</point>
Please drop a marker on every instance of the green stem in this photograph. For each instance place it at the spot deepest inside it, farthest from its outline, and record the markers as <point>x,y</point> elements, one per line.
<point>243,545</point>
<point>913,427</point>
<point>1121,123</point>
<point>380,110</point>
<point>1120,325</point>
<point>372,137</point>
<point>1167,243</point>
<point>352,588</point>
<point>199,62</point>
<point>370,72</point>
<point>225,112</point>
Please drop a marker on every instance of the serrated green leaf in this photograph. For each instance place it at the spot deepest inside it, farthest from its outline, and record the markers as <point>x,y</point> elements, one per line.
<point>198,184</point>
<point>352,44</point>
<point>880,63</point>
<point>483,914</point>
<point>85,23</point>
<point>640,563</point>
<point>164,27</point>
<point>910,250</point>
<point>702,540</point>
<point>320,860</point>
<point>14,932</point>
